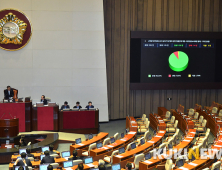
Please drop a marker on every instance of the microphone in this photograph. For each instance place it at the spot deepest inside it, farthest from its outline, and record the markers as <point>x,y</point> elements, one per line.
<point>11,115</point>
<point>2,115</point>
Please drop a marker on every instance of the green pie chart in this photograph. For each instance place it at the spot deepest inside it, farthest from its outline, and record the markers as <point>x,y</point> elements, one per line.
<point>178,61</point>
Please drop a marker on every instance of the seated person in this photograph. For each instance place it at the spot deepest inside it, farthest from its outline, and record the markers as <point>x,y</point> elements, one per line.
<point>80,166</point>
<point>89,105</point>
<point>102,167</point>
<point>128,166</point>
<point>47,158</point>
<point>28,151</point>
<point>45,102</point>
<point>65,106</point>
<point>8,93</point>
<point>51,147</point>
<point>77,105</point>
<point>23,161</point>
<point>74,153</point>
<point>21,168</point>
<point>22,142</point>
<point>50,167</point>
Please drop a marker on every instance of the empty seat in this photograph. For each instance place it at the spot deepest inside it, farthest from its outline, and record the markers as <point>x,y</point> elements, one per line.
<point>141,120</point>
<point>202,127</point>
<point>169,164</point>
<point>216,165</point>
<point>54,165</point>
<point>191,112</point>
<point>116,136</point>
<point>109,159</point>
<point>196,115</point>
<point>137,159</point>
<point>143,129</point>
<point>86,153</point>
<point>172,120</point>
<point>172,129</point>
<point>106,141</point>
<point>167,116</point>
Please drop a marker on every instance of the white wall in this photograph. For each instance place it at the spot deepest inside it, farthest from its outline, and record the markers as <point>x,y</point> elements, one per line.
<point>65,59</point>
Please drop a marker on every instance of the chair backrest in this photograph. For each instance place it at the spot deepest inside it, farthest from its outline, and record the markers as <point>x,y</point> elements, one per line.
<point>29,168</point>
<point>172,119</point>
<point>55,165</point>
<point>171,142</point>
<point>101,162</point>
<point>208,130</point>
<point>147,124</point>
<point>106,141</point>
<point>214,110</point>
<point>29,143</point>
<point>113,154</point>
<point>93,145</point>
<point>167,114</point>
<point>216,165</point>
<point>76,162</point>
<point>143,117</point>
<point>196,115</point>
<point>220,113</point>
<point>146,134</point>
<point>31,158</point>
<point>201,119</point>
<point>162,146</point>
<point>137,159</point>
<point>191,112</point>
<point>129,146</point>
<point>116,136</point>
<point>169,164</point>
<point>54,155</point>
<point>205,141</point>
<point>175,124</point>
<point>204,123</point>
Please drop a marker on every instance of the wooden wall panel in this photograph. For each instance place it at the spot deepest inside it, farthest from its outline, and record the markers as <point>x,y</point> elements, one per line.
<point>123,16</point>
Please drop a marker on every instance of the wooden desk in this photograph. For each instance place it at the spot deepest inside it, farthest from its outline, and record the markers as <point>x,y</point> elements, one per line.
<point>157,121</point>
<point>95,163</point>
<point>20,110</point>
<point>89,123</point>
<point>140,149</point>
<point>108,149</point>
<point>162,111</point>
<point>45,118</point>
<point>101,136</point>
<point>9,127</point>
<point>131,124</point>
<point>151,163</point>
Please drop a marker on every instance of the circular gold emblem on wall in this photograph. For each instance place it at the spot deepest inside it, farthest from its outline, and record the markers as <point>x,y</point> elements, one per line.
<point>15,30</point>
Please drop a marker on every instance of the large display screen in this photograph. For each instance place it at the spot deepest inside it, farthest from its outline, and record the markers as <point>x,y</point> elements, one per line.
<point>175,60</point>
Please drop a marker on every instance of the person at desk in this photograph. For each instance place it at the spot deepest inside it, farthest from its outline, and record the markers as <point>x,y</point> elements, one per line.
<point>77,106</point>
<point>65,106</point>
<point>21,168</point>
<point>45,102</point>
<point>128,166</point>
<point>74,153</point>
<point>102,167</point>
<point>28,151</point>
<point>23,161</point>
<point>8,92</point>
<point>50,167</point>
<point>51,147</point>
<point>89,105</point>
<point>47,158</point>
<point>22,142</point>
<point>80,166</point>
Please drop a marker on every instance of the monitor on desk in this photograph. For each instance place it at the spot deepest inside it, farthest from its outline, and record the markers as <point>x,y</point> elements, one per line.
<point>90,136</point>
<point>122,135</point>
<point>116,167</point>
<point>42,156</point>
<point>147,156</point>
<point>149,136</point>
<point>133,146</point>
<point>17,167</point>
<point>88,160</point>
<point>121,150</point>
<point>65,154</point>
<point>78,140</point>
<point>142,141</point>
<point>92,108</point>
<point>52,104</point>
<point>68,164</point>
<point>43,166</point>
<point>112,140</point>
<point>99,145</point>
<point>45,148</point>
<point>82,109</point>
<point>65,109</point>
<point>180,163</point>
<point>75,109</point>
<point>170,146</point>
<point>126,131</point>
<point>22,150</point>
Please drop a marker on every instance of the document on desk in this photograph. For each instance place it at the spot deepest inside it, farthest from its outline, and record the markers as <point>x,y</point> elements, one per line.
<point>186,140</point>
<point>189,137</point>
<point>183,168</point>
<point>193,164</point>
<point>159,136</point>
<point>132,133</point>
<point>90,165</point>
<point>68,169</point>
<point>123,139</point>
<point>161,131</point>
<point>110,146</point>
<point>193,132</point>
<point>105,148</point>
<point>119,156</point>
<point>80,144</point>
<point>217,145</point>
<point>149,162</point>
<point>151,141</point>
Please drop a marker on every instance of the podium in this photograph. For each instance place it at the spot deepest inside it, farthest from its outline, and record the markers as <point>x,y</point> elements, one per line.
<point>9,127</point>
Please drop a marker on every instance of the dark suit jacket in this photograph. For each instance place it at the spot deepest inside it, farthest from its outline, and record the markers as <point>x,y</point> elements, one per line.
<point>51,152</point>
<point>23,144</point>
<point>26,167</point>
<point>79,107</point>
<point>63,107</point>
<point>7,95</point>
<point>30,155</point>
<point>21,163</point>
<point>73,158</point>
<point>90,107</point>
<point>48,159</point>
<point>45,102</point>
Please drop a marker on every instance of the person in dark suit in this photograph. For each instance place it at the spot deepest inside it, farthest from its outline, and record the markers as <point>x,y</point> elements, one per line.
<point>65,106</point>
<point>102,167</point>
<point>21,168</point>
<point>22,142</point>
<point>47,158</point>
<point>8,92</point>
<point>80,166</point>
<point>45,102</point>
<point>23,161</point>
<point>128,166</point>
<point>89,105</point>
<point>50,167</point>
<point>51,147</point>
<point>28,151</point>
<point>77,106</point>
<point>75,157</point>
